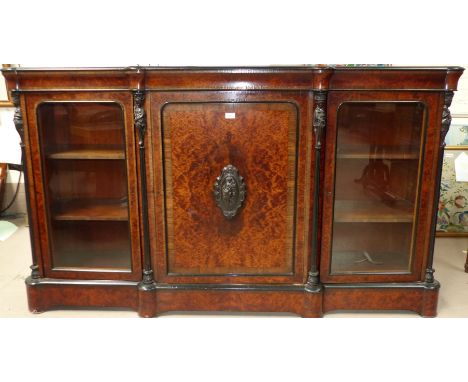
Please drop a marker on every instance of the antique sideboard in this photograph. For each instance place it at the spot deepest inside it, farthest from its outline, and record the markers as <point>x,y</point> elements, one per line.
<point>301,189</point>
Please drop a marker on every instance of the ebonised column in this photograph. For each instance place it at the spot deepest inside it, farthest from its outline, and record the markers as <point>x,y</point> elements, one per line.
<point>319,124</point>
<point>140,123</point>
<point>445,125</point>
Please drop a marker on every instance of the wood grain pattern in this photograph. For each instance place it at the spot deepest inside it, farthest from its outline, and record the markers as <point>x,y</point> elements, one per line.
<point>422,301</point>
<point>156,302</point>
<point>237,78</point>
<point>239,301</point>
<point>355,79</point>
<point>264,149</point>
<point>261,142</point>
<point>45,297</point>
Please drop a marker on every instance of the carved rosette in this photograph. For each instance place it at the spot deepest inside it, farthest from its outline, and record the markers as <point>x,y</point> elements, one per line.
<point>139,115</point>
<point>229,191</point>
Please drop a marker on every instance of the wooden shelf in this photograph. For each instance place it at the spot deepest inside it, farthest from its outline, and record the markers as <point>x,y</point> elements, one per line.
<point>349,211</point>
<point>356,154</point>
<point>88,154</point>
<point>92,210</point>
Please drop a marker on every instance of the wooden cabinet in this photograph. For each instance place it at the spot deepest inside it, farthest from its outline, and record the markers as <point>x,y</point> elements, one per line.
<point>277,189</point>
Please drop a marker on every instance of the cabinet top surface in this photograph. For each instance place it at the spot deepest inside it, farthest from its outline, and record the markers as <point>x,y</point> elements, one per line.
<point>177,78</point>
<point>236,68</point>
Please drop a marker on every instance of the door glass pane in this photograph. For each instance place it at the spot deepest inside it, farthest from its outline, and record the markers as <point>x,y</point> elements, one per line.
<point>378,159</point>
<point>83,151</point>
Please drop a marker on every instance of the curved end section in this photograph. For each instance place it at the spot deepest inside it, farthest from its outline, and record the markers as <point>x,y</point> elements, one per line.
<point>453,75</point>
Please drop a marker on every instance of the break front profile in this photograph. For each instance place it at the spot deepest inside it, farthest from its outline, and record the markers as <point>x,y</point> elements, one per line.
<point>267,189</point>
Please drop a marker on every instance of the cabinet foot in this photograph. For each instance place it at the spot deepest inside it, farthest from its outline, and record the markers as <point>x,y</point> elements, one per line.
<point>429,300</point>
<point>35,304</point>
<point>313,302</point>
<point>311,315</point>
<point>147,306</point>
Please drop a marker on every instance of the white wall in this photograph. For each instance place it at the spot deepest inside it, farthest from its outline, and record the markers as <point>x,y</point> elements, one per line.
<point>460,100</point>
<point>10,152</point>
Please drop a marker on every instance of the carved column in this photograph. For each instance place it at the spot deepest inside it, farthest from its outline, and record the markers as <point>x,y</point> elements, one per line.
<point>139,115</point>
<point>445,125</point>
<point>319,124</point>
<point>19,125</point>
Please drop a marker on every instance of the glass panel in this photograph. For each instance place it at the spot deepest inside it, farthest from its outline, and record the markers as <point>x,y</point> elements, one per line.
<point>378,157</point>
<point>83,150</point>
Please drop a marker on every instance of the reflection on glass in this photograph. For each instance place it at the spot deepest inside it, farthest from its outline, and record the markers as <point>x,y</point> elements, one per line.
<point>83,150</point>
<point>377,170</point>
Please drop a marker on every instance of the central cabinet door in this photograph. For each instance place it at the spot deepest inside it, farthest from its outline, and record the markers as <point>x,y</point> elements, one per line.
<point>230,170</point>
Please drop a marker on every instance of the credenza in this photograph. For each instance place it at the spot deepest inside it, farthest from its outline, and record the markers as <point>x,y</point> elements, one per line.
<point>303,189</point>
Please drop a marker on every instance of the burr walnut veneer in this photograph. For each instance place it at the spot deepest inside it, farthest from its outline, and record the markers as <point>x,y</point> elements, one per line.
<point>266,189</point>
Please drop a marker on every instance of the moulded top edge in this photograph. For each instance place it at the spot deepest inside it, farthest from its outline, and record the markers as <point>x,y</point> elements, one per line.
<point>233,68</point>
<point>166,68</point>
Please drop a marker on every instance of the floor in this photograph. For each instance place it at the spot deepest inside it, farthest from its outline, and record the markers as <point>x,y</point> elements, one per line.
<point>15,258</point>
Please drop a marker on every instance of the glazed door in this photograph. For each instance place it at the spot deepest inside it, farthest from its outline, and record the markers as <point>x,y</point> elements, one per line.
<point>380,170</point>
<point>85,162</point>
<point>230,202</point>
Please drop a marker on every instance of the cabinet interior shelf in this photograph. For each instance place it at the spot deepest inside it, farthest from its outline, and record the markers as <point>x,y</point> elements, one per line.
<point>88,154</point>
<point>95,260</point>
<point>350,211</point>
<point>97,210</point>
<point>352,154</point>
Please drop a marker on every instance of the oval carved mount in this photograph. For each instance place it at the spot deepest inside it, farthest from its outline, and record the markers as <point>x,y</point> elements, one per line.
<point>229,191</point>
